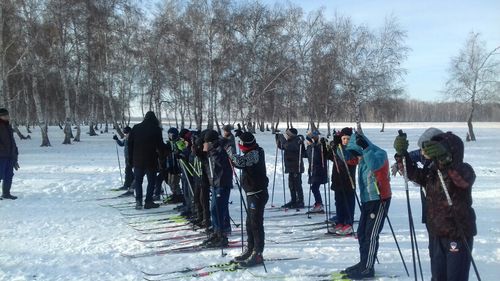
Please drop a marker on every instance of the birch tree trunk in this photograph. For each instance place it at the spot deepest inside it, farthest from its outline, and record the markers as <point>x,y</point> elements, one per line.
<point>39,113</point>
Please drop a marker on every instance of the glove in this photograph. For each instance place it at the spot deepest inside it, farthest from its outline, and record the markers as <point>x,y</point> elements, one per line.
<point>361,141</point>
<point>115,137</point>
<point>237,132</point>
<point>16,166</point>
<point>401,144</point>
<point>437,152</point>
<point>337,139</point>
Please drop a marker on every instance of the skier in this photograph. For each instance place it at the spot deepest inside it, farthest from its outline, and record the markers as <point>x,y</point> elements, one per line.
<point>417,156</point>
<point>375,193</point>
<point>201,184</point>
<point>129,174</point>
<point>8,154</point>
<point>294,152</point>
<point>254,181</point>
<point>451,225</point>
<point>144,143</point>
<point>343,182</point>
<point>220,176</point>
<point>318,174</point>
<point>228,137</point>
<point>184,158</point>
<point>173,168</point>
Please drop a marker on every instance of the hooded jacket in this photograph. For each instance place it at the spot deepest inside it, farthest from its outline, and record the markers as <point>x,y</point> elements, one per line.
<point>459,178</point>
<point>145,142</point>
<point>373,171</point>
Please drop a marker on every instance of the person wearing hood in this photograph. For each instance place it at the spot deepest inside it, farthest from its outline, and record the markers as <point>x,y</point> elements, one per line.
<point>8,154</point>
<point>450,218</point>
<point>417,156</point>
<point>294,152</point>
<point>254,181</point>
<point>144,143</point>
<point>375,193</point>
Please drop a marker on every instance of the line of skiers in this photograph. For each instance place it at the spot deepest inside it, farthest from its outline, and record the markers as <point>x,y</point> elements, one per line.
<point>205,161</point>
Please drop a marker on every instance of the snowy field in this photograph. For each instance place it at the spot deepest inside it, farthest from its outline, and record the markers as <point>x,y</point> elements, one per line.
<point>57,230</point>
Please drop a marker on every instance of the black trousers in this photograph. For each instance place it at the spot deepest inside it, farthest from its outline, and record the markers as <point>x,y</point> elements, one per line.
<point>371,222</point>
<point>295,186</point>
<point>255,220</point>
<point>450,260</point>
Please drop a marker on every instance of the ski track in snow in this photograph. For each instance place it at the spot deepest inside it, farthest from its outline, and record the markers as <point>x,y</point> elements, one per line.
<point>56,230</point>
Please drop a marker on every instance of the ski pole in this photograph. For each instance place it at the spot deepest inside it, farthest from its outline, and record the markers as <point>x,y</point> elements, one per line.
<point>119,164</point>
<point>413,239</point>
<point>274,176</point>
<point>283,176</point>
<point>450,204</point>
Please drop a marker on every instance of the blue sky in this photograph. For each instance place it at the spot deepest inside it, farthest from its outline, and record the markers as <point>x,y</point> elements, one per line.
<point>436,31</point>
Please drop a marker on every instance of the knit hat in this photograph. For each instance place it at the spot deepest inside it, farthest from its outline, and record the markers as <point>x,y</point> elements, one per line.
<point>346,131</point>
<point>185,134</point>
<point>126,130</point>
<point>247,139</point>
<point>292,132</point>
<point>4,112</point>
<point>314,133</point>
<point>427,135</point>
<point>227,128</point>
<point>211,136</point>
<point>173,131</point>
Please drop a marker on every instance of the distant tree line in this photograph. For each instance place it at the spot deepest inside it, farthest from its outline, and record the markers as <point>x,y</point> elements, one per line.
<point>201,63</point>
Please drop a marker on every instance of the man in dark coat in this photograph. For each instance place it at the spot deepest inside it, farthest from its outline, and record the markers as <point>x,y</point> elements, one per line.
<point>294,152</point>
<point>144,143</point>
<point>450,218</point>
<point>8,154</point>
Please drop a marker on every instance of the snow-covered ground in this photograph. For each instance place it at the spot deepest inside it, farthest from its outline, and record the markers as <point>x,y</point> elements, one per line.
<point>56,230</point>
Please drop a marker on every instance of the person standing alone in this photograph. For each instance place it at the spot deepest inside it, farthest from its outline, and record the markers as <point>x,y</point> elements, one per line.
<point>144,143</point>
<point>8,154</point>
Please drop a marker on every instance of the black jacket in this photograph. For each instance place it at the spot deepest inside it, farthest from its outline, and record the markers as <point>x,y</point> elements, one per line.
<point>219,169</point>
<point>253,166</point>
<point>8,147</point>
<point>294,152</point>
<point>144,143</point>
<point>443,220</point>
<point>317,164</point>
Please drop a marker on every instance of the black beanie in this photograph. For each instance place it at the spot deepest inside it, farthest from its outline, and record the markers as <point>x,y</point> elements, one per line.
<point>126,130</point>
<point>4,112</point>
<point>227,128</point>
<point>247,138</point>
<point>292,132</point>
<point>346,131</point>
<point>211,136</point>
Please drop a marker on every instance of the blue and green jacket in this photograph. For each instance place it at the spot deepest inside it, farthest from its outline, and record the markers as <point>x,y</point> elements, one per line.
<point>373,171</point>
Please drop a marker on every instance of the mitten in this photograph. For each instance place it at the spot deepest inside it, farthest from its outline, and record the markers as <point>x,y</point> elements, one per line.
<point>361,141</point>
<point>401,144</point>
<point>238,132</point>
<point>437,152</point>
<point>16,166</point>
